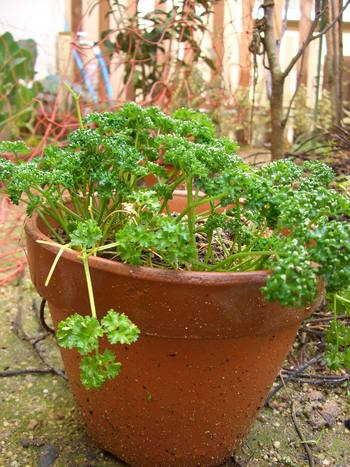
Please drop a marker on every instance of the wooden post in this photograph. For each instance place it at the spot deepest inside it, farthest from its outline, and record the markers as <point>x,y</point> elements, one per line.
<point>333,76</point>
<point>76,26</point>
<point>244,41</point>
<point>76,15</point>
<point>161,56</point>
<point>189,8</point>
<point>130,94</point>
<point>218,37</point>
<point>163,59</point>
<point>65,65</point>
<point>245,65</point>
<point>277,20</point>
<point>63,55</point>
<point>304,28</point>
<point>337,63</point>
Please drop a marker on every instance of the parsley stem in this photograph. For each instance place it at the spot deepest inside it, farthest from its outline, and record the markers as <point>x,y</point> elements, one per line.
<point>342,299</point>
<point>238,224</point>
<point>85,260</point>
<point>54,212</point>
<point>172,187</point>
<point>76,200</point>
<point>199,203</point>
<point>69,211</point>
<point>49,226</point>
<point>77,104</point>
<point>335,318</point>
<point>76,98</point>
<point>240,254</point>
<point>191,219</point>
<point>209,253</point>
<point>106,247</point>
<point>54,264</point>
<point>102,208</point>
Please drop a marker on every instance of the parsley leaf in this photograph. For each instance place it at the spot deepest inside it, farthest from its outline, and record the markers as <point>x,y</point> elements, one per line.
<point>96,369</point>
<point>119,328</point>
<point>79,332</point>
<point>16,147</point>
<point>86,235</point>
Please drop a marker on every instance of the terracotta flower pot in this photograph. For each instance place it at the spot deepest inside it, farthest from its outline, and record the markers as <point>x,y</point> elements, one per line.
<point>210,348</point>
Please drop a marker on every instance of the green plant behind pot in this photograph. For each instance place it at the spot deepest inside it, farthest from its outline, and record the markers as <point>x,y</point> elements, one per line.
<point>120,171</point>
<point>17,89</point>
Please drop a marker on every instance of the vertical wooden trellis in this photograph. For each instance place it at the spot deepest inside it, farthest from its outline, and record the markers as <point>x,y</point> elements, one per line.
<point>335,60</point>
<point>76,15</point>
<point>161,56</point>
<point>189,9</point>
<point>244,41</point>
<point>304,28</point>
<point>277,19</point>
<point>76,25</point>
<point>131,12</point>
<point>218,37</point>
<point>245,64</point>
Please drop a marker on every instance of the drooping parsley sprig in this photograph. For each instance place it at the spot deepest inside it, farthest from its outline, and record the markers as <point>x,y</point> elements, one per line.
<point>84,333</point>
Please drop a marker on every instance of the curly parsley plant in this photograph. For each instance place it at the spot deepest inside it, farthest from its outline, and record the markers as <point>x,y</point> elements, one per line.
<point>120,171</point>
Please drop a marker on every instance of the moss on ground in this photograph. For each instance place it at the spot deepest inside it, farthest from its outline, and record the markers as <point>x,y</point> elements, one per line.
<point>39,422</point>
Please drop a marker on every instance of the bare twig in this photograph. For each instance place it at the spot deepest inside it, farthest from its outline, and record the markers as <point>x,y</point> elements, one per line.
<point>326,319</point>
<point>33,341</point>
<point>291,376</point>
<point>26,371</point>
<point>304,443</point>
<point>42,317</point>
<point>320,379</point>
<point>315,332</point>
<point>284,123</point>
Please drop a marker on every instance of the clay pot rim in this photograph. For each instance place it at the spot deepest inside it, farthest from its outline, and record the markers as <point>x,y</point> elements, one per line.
<point>143,272</point>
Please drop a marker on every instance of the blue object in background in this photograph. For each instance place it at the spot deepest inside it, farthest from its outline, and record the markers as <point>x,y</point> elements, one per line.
<point>86,80</point>
<point>104,71</point>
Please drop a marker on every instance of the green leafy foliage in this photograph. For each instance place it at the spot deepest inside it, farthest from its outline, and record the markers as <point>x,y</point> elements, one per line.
<point>79,332</point>
<point>119,329</point>
<point>86,235</point>
<point>294,279</point>
<point>162,237</point>
<point>332,251</point>
<point>14,147</point>
<point>121,172</point>
<point>338,333</point>
<point>83,333</point>
<point>336,359</point>
<point>96,369</point>
<point>337,336</point>
<point>17,89</point>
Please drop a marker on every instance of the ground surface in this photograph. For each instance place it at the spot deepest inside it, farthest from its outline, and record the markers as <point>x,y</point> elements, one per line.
<point>40,427</point>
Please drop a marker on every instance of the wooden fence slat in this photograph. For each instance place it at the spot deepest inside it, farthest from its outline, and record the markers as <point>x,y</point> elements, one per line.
<point>304,28</point>
<point>218,36</point>
<point>130,94</point>
<point>245,39</point>
<point>76,26</point>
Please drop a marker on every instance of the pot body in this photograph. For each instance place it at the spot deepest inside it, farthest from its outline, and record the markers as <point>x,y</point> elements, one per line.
<point>190,387</point>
